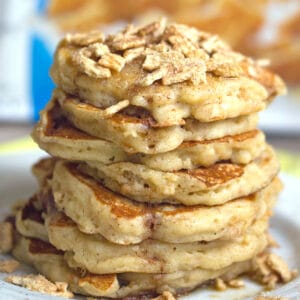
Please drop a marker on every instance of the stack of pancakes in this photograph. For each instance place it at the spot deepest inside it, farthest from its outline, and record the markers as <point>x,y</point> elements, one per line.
<point>159,179</point>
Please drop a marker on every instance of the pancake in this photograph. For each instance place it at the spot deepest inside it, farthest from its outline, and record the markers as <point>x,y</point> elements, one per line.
<point>43,170</point>
<point>139,133</point>
<point>171,71</point>
<point>120,220</point>
<point>213,185</point>
<point>239,149</point>
<point>30,222</point>
<point>99,256</point>
<point>50,262</point>
<point>56,135</point>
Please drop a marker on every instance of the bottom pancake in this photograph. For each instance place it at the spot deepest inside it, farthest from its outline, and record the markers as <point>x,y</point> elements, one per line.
<point>50,262</point>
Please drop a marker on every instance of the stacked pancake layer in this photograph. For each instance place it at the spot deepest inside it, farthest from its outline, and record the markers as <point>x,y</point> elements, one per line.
<point>159,179</point>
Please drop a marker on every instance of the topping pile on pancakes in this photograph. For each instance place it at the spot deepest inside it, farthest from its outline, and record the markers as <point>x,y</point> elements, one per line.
<point>159,179</point>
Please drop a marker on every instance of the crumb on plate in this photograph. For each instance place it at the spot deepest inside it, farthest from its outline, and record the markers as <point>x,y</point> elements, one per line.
<point>41,284</point>
<point>9,265</point>
<point>270,298</point>
<point>270,269</point>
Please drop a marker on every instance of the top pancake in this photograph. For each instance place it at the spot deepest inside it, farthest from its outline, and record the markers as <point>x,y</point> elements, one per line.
<point>170,72</point>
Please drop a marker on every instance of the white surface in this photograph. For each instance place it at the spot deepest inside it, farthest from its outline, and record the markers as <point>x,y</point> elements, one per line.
<point>282,116</point>
<point>16,182</point>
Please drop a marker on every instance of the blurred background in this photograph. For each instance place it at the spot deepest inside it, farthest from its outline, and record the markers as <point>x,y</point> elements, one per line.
<point>30,29</point>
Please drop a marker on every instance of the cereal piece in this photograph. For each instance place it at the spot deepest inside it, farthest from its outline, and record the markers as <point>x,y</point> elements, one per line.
<point>98,49</point>
<point>261,297</point>
<point>270,269</point>
<point>172,67</point>
<point>236,283</point>
<point>220,285</point>
<point>84,39</point>
<point>132,54</point>
<point>6,237</point>
<point>181,44</point>
<point>165,296</point>
<point>9,265</point>
<point>128,42</point>
<point>111,110</point>
<point>189,33</point>
<point>154,76</point>
<point>270,281</point>
<point>279,266</point>
<point>152,62</point>
<point>40,284</point>
<point>89,66</point>
<point>213,43</point>
<point>193,70</point>
<point>112,61</point>
<point>260,266</point>
<point>228,70</point>
<point>154,29</point>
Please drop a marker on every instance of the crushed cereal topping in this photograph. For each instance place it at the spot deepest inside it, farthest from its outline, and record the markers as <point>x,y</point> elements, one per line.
<point>169,53</point>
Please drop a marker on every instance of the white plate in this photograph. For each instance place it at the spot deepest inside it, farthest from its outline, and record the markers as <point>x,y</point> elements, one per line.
<point>16,183</point>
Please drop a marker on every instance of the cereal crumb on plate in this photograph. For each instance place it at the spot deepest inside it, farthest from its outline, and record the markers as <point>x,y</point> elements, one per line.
<point>9,265</point>
<point>41,284</point>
